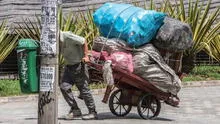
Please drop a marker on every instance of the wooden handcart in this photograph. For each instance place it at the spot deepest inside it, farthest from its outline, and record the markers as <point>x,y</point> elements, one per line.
<point>134,91</point>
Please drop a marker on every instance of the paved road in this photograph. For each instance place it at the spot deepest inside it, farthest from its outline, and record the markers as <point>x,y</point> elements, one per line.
<point>199,105</point>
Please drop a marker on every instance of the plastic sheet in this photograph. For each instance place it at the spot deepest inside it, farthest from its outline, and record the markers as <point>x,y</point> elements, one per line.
<point>149,65</point>
<point>174,35</point>
<point>122,60</point>
<point>119,59</point>
<point>107,73</point>
<point>127,22</point>
<point>109,45</point>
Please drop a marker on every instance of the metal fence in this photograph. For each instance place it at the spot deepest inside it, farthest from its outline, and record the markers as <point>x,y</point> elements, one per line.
<point>9,69</point>
<point>204,59</point>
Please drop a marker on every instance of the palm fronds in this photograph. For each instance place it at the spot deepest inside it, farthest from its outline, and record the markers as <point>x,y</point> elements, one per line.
<point>7,41</point>
<point>214,46</point>
<point>198,16</point>
<point>29,29</point>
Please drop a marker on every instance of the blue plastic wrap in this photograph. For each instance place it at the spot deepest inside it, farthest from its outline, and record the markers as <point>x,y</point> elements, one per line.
<point>127,22</point>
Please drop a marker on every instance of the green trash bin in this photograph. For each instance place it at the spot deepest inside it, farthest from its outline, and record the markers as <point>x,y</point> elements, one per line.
<point>27,61</point>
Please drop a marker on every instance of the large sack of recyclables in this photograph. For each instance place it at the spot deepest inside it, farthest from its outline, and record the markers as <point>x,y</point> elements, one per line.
<point>147,62</point>
<point>132,24</point>
<point>174,35</point>
<point>149,65</point>
<point>114,50</point>
<point>137,27</point>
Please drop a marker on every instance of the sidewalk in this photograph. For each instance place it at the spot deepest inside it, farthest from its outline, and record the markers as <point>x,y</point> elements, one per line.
<point>101,91</point>
<point>35,96</point>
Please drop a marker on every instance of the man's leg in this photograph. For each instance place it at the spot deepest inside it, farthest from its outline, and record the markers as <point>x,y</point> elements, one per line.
<point>87,96</point>
<point>65,87</point>
<point>82,85</point>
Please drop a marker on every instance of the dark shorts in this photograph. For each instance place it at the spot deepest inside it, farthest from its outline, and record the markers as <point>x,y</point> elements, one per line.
<point>76,74</point>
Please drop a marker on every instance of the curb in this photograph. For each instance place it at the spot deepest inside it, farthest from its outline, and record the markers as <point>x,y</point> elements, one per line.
<point>101,91</point>
<point>201,83</point>
<point>35,96</point>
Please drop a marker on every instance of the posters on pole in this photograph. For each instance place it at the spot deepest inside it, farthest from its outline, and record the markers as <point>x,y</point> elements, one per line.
<point>48,24</point>
<point>47,78</point>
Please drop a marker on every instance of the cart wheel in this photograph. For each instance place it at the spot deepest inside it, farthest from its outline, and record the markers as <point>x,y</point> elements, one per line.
<point>114,104</point>
<point>148,107</point>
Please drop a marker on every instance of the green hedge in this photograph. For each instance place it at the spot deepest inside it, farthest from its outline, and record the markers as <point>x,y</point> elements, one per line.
<point>203,73</point>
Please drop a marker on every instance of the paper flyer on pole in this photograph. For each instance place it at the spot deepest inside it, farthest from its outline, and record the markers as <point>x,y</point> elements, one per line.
<point>47,78</point>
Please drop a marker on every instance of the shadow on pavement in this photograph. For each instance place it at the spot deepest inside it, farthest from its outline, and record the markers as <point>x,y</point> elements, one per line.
<point>109,115</point>
<point>31,118</point>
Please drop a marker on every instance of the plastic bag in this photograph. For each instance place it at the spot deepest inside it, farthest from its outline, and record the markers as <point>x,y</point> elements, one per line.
<point>122,60</point>
<point>174,35</point>
<point>149,64</point>
<point>119,59</point>
<point>107,73</point>
<point>132,24</point>
<point>100,55</point>
<point>109,45</point>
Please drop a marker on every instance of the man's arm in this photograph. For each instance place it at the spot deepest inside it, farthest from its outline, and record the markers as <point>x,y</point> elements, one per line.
<point>85,49</point>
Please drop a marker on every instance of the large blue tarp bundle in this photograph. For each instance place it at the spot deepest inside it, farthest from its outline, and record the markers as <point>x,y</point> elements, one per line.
<point>127,22</point>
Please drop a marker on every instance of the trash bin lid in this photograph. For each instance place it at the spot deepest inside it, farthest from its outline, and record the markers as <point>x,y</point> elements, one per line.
<point>27,44</point>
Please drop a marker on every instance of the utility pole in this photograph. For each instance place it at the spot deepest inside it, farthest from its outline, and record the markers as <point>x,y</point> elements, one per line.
<point>49,70</point>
